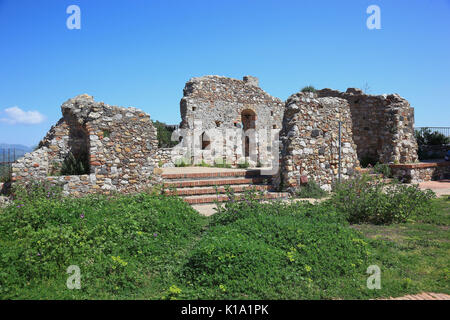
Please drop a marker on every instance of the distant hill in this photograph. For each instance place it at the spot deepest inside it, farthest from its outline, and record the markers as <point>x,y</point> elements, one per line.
<point>18,149</point>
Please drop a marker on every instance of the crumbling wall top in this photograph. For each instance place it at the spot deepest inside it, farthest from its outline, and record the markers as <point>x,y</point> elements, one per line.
<point>215,88</point>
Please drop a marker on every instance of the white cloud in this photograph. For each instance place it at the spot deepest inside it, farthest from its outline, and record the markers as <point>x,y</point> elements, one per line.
<point>15,115</point>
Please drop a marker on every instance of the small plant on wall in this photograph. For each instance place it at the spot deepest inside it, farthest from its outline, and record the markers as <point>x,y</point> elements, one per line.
<point>106,133</point>
<point>182,162</point>
<point>309,89</point>
<point>221,163</point>
<point>243,164</point>
<point>55,169</point>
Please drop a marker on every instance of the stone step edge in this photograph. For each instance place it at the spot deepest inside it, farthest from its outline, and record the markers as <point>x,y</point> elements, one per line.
<point>211,174</point>
<point>211,182</point>
<point>220,190</point>
<point>223,198</point>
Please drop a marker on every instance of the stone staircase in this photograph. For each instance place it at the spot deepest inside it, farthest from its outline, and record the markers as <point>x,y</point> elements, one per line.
<point>208,187</point>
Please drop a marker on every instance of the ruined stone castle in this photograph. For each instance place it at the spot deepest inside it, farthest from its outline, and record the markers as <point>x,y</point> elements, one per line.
<point>229,121</point>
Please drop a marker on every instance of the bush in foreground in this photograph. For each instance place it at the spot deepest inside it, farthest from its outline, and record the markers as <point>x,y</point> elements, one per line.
<point>367,200</point>
<point>117,242</point>
<point>275,251</point>
<point>311,190</point>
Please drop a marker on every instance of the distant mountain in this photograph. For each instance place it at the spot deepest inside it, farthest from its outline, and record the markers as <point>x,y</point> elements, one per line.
<point>17,150</point>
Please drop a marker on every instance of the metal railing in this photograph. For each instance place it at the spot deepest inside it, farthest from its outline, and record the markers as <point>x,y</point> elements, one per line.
<point>444,130</point>
<point>7,157</point>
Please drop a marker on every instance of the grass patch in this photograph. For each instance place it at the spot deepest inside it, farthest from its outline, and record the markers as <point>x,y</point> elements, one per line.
<point>149,246</point>
<point>413,256</point>
<point>125,246</point>
<point>274,251</point>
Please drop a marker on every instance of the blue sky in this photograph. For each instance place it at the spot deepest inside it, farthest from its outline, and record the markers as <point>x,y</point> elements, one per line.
<point>141,52</point>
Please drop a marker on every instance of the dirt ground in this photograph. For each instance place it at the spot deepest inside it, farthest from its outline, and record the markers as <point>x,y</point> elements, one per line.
<point>440,187</point>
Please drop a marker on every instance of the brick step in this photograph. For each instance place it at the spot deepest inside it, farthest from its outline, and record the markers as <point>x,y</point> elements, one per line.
<point>223,198</point>
<point>216,182</point>
<point>209,175</point>
<point>221,190</point>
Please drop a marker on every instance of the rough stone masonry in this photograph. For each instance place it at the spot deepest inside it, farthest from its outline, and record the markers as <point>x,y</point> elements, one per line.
<point>228,120</point>
<point>310,141</point>
<point>120,143</point>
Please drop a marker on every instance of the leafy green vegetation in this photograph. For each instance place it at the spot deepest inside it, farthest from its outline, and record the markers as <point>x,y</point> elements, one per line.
<point>106,133</point>
<point>164,135</point>
<point>202,164</point>
<point>425,136</point>
<point>382,168</point>
<point>274,251</point>
<point>308,89</point>
<point>5,171</point>
<point>413,256</point>
<point>120,243</point>
<point>311,190</point>
<point>368,200</point>
<point>75,165</point>
<point>182,162</point>
<point>243,165</point>
<point>221,163</point>
<point>150,246</point>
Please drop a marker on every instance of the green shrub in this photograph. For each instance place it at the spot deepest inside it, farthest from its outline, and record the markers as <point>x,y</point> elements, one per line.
<point>35,191</point>
<point>164,135</point>
<point>75,165</point>
<point>182,162</point>
<point>275,250</point>
<point>425,136</point>
<point>118,243</point>
<point>243,165</point>
<point>5,173</point>
<point>366,200</point>
<point>221,163</point>
<point>384,169</point>
<point>106,133</point>
<point>311,190</point>
<point>202,164</point>
<point>309,89</point>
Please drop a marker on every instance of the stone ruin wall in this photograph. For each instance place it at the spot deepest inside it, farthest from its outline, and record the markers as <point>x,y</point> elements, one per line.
<point>420,172</point>
<point>120,142</point>
<point>309,142</point>
<point>215,105</point>
<point>383,125</point>
<point>123,149</point>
